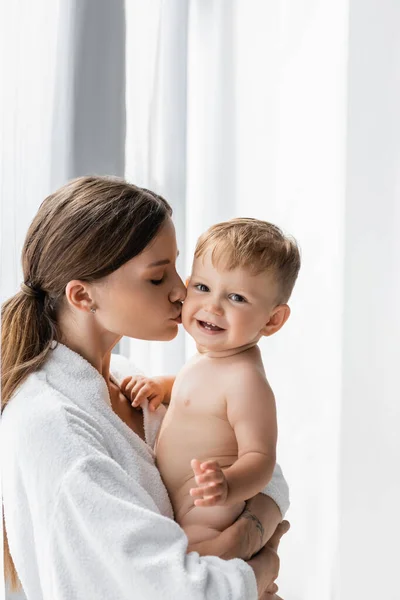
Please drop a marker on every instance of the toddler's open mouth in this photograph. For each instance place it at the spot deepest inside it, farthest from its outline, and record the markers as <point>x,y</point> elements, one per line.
<point>209,327</point>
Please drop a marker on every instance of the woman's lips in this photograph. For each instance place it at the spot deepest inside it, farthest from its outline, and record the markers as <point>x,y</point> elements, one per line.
<point>177,319</point>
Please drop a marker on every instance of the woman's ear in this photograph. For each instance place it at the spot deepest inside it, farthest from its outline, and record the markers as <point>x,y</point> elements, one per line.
<point>78,295</point>
<point>277,319</point>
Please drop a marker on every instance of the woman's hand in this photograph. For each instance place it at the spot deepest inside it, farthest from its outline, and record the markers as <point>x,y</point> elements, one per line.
<point>266,564</point>
<point>250,532</point>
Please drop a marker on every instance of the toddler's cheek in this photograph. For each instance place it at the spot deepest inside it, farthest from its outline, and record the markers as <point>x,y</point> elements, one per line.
<point>186,316</point>
<point>187,310</point>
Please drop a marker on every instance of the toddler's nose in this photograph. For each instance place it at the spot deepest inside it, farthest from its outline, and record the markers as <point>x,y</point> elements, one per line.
<point>214,309</point>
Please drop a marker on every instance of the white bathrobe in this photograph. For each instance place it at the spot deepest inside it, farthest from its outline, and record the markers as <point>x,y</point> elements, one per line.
<point>87,514</point>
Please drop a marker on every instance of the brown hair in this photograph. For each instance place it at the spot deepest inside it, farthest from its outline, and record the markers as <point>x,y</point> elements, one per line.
<point>86,230</point>
<point>255,245</point>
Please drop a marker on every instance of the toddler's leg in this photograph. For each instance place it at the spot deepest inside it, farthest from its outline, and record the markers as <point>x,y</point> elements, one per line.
<point>202,524</point>
<point>200,533</point>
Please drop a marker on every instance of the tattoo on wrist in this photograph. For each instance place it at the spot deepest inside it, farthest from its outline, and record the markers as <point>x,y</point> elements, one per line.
<point>247,514</point>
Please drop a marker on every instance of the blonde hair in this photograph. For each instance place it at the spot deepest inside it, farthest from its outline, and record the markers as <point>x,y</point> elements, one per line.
<point>85,230</point>
<point>255,245</point>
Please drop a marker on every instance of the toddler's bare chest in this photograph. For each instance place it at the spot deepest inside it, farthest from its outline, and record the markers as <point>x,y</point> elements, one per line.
<point>199,391</point>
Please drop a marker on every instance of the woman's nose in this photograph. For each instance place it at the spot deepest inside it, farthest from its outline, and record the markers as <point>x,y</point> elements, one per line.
<point>178,292</point>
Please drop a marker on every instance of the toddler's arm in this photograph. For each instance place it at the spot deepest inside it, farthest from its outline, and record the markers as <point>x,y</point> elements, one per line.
<point>251,412</point>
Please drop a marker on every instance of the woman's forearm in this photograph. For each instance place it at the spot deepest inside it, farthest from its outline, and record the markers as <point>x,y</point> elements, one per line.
<point>250,532</point>
<point>265,516</point>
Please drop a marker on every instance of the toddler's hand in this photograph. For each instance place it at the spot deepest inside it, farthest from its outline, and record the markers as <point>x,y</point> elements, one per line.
<point>138,388</point>
<point>213,485</point>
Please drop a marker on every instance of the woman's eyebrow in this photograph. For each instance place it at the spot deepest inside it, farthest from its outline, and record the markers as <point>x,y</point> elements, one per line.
<point>158,263</point>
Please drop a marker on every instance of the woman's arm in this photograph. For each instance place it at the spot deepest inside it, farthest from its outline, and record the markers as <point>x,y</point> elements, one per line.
<point>262,517</point>
<point>229,544</point>
<point>250,532</point>
<point>120,540</point>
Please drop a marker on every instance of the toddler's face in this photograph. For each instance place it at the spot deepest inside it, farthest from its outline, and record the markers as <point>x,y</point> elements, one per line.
<point>225,309</point>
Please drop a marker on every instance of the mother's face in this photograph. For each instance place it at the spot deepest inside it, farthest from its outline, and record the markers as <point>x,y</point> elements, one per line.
<point>142,299</point>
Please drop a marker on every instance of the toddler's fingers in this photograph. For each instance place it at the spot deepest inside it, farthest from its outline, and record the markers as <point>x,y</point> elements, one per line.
<point>211,490</point>
<point>138,385</point>
<point>131,380</point>
<point>127,384</point>
<point>211,477</point>
<point>125,381</point>
<point>196,492</point>
<point>195,464</point>
<point>209,501</point>
<point>155,403</point>
<point>141,395</point>
<point>210,464</point>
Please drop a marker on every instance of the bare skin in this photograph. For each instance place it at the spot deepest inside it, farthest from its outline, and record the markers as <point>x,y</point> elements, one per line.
<point>198,417</point>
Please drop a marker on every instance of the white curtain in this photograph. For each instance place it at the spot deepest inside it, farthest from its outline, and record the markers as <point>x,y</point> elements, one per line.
<point>287,111</point>
<point>63,107</point>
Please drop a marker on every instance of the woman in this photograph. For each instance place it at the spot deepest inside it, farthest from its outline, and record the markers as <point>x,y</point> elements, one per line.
<point>86,513</point>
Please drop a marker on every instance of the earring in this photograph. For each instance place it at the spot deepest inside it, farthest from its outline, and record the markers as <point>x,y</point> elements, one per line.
<point>93,310</point>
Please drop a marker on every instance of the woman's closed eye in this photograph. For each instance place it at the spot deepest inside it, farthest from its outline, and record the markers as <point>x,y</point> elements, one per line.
<point>157,281</point>
<point>237,298</point>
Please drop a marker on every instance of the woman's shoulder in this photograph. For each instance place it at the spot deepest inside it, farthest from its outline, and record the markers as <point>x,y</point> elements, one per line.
<point>40,425</point>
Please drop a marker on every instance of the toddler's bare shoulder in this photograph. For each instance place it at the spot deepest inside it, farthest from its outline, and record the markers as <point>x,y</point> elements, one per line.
<point>247,375</point>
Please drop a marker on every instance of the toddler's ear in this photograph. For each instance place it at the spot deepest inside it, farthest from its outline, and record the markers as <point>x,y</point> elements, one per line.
<point>277,319</point>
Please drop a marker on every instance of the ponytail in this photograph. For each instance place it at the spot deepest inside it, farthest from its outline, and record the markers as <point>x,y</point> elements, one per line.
<point>28,329</point>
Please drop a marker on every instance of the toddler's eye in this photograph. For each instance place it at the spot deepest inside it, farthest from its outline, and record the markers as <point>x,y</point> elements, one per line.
<point>157,281</point>
<point>201,287</point>
<point>237,298</point>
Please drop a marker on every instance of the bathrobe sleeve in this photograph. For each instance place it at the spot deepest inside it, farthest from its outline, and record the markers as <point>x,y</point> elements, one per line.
<point>107,540</point>
<point>278,490</point>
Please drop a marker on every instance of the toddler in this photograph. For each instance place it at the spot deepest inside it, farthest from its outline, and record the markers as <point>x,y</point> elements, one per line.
<point>216,446</point>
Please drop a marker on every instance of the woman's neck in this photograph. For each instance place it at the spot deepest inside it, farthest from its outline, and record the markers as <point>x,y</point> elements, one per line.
<point>92,345</point>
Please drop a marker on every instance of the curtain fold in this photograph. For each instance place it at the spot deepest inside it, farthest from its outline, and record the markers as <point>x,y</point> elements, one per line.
<point>156,134</point>
<point>88,133</point>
